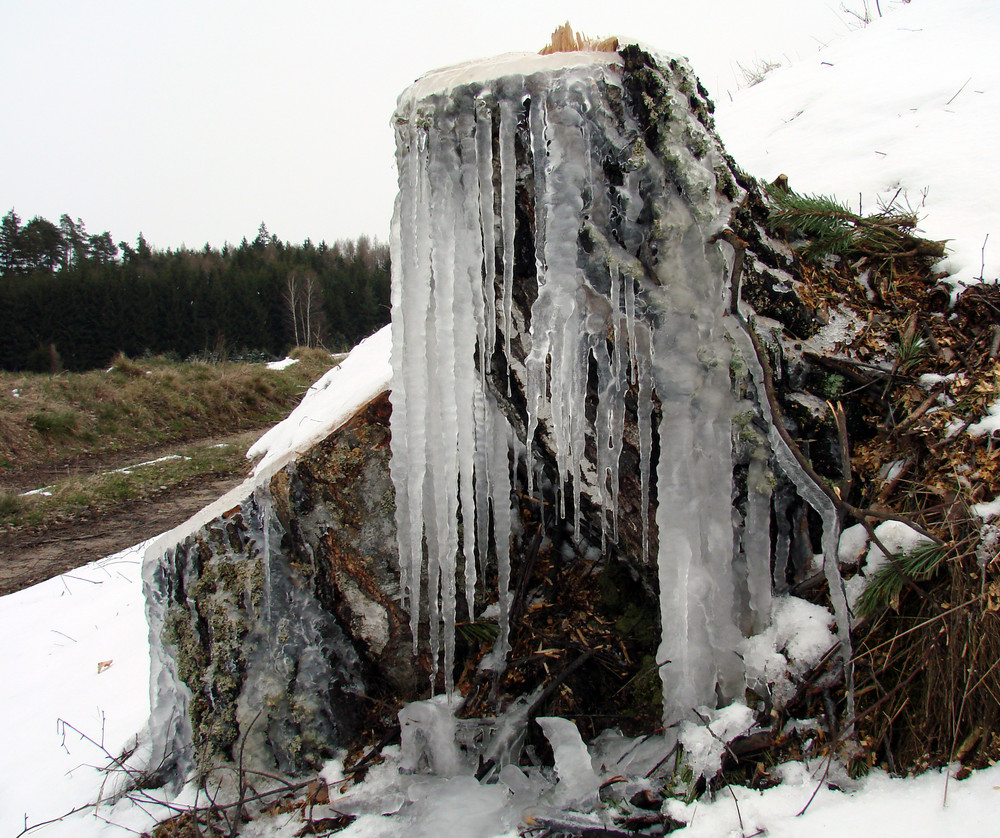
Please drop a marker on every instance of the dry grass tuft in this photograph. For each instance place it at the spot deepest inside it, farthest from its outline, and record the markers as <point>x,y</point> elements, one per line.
<point>50,420</point>
<point>565,40</point>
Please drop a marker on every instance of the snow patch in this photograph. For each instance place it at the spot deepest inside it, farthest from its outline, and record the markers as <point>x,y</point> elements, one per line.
<point>283,364</point>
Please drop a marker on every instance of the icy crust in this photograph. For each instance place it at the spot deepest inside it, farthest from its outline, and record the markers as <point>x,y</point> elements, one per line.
<point>445,79</point>
<point>362,376</point>
<point>469,140</point>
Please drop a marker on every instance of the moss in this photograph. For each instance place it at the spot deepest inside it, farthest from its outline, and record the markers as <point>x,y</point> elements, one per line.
<point>833,385</point>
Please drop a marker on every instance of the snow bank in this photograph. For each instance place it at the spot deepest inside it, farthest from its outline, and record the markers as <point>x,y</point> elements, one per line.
<point>76,663</point>
<point>358,379</point>
<point>905,106</point>
<point>283,364</point>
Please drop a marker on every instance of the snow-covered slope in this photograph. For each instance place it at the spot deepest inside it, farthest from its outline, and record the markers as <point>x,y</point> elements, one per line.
<point>909,105</point>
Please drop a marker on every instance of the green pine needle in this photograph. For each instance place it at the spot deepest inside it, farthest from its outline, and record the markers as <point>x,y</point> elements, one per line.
<point>832,229</point>
<point>480,631</point>
<point>887,582</point>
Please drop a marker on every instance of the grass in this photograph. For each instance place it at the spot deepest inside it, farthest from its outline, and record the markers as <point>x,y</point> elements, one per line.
<point>134,405</point>
<point>93,494</point>
<point>68,424</point>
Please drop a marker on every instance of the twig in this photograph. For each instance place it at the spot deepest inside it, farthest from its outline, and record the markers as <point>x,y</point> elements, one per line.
<point>958,722</point>
<point>840,419</point>
<point>483,771</point>
<point>904,426</point>
<point>525,577</point>
<point>777,416</point>
<point>829,762</point>
<point>659,765</point>
<point>953,98</point>
<point>890,485</point>
<point>739,815</point>
<point>40,824</point>
<point>919,626</point>
<point>995,343</point>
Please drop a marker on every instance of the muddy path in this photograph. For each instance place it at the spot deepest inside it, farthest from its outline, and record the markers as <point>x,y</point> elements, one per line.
<point>27,558</point>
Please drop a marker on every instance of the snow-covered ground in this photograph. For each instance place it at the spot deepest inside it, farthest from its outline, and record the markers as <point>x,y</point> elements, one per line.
<point>909,103</point>
<point>907,106</point>
<point>76,664</point>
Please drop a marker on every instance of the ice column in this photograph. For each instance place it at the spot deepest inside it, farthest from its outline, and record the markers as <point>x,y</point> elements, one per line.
<point>473,157</point>
<point>443,317</point>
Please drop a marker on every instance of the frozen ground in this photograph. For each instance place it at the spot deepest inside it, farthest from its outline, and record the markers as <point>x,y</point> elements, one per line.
<point>909,103</point>
<point>75,661</point>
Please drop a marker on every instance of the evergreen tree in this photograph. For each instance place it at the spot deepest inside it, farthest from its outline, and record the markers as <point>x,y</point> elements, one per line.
<point>41,245</point>
<point>10,252</point>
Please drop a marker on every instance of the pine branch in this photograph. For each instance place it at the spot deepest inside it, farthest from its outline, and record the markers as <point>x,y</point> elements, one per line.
<point>831,228</point>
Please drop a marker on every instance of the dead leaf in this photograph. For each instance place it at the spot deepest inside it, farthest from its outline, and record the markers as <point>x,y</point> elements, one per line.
<point>318,793</point>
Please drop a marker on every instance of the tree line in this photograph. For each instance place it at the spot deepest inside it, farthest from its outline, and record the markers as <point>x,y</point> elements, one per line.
<point>73,300</point>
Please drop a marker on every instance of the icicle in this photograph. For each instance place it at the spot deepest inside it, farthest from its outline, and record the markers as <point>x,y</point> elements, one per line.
<point>411,240</point>
<point>643,362</point>
<point>454,444</point>
<point>266,508</point>
<point>399,461</point>
<point>619,385</point>
<point>484,483</point>
<point>757,541</point>
<point>536,383</point>
<point>484,157</point>
<point>811,494</point>
<point>470,328</point>
<point>558,335</point>
<point>508,175</point>
<point>783,500</point>
<point>502,522</point>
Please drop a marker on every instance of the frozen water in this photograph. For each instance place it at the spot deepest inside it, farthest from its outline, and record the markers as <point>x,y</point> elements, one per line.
<point>578,784</point>
<point>467,153</point>
<point>427,737</point>
<point>704,744</point>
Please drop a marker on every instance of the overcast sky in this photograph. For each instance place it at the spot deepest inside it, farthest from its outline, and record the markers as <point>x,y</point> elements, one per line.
<point>194,120</point>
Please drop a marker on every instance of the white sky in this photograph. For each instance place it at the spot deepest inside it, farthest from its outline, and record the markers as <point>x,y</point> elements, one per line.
<point>194,121</point>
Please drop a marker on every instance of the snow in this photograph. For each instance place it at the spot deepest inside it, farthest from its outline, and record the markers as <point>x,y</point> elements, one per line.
<point>56,634</point>
<point>908,102</point>
<point>283,364</point>
<point>509,64</point>
<point>362,376</point>
<point>987,510</point>
<point>798,636</point>
<point>989,424</point>
<point>897,538</point>
<point>705,744</point>
<point>905,105</point>
<point>853,542</point>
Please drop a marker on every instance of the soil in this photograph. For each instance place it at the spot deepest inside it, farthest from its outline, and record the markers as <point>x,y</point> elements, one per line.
<point>29,557</point>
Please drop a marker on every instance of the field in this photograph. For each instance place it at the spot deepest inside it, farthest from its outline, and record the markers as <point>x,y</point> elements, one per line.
<point>92,462</point>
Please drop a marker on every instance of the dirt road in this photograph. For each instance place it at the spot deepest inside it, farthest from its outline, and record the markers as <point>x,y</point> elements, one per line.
<point>28,558</point>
